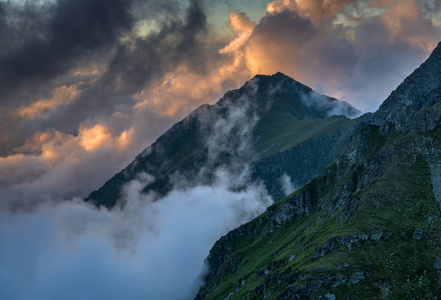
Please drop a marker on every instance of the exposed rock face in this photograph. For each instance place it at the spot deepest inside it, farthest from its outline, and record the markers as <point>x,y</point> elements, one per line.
<point>329,296</point>
<point>418,91</point>
<point>367,227</point>
<point>273,124</point>
<point>417,234</point>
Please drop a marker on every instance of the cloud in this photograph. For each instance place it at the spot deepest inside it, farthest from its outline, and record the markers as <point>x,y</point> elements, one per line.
<point>62,95</point>
<point>72,132</point>
<point>53,166</point>
<point>240,23</point>
<point>150,249</point>
<point>288,186</point>
<point>343,47</point>
<point>318,11</point>
<point>119,93</point>
<point>103,50</point>
<point>331,106</point>
<point>45,39</point>
<point>146,248</point>
<point>166,56</point>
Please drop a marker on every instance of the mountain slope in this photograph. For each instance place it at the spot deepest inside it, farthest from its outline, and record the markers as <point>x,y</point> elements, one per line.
<point>268,119</point>
<point>368,227</point>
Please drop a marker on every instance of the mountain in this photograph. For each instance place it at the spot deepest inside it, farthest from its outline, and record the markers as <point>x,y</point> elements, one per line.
<point>274,125</point>
<point>367,227</point>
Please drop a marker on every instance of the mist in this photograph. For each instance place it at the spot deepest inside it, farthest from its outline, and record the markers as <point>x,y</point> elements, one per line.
<point>147,246</point>
<point>330,105</point>
<point>148,250</point>
<point>288,186</point>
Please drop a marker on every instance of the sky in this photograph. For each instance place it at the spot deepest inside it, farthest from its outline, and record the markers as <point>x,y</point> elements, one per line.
<point>86,85</point>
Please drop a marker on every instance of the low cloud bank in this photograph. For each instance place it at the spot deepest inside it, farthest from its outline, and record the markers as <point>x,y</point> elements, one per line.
<point>145,248</point>
<point>148,250</point>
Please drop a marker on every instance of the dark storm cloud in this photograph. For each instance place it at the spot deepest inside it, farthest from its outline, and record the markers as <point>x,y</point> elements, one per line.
<point>137,63</point>
<point>68,35</point>
<point>293,44</point>
<point>41,42</point>
<point>353,50</point>
<point>63,166</point>
<point>176,41</point>
<point>300,29</point>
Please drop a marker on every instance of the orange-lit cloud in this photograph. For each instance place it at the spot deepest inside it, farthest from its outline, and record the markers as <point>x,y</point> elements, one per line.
<point>95,137</point>
<point>278,6</point>
<point>184,88</point>
<point>318,11</point>
<point>99,136</point>
<point>87,72</point>
<point>242,27</point>
<point>179,92</point>
<point>240,23</point>
<point>339,46</point>
<point>320,43</point>
<point>60,166</point>
<point>125,139</point>
<point>60,96</point>
<point>406,19</point>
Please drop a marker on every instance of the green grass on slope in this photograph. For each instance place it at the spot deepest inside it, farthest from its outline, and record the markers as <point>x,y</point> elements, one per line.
<point>400,202</point>
<point>279,129</point>
<point>396,204</point>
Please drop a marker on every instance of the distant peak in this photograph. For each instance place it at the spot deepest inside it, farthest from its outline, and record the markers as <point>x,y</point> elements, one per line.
<point>301,99</point>
<point>278,75</point>
<point>437,50</point>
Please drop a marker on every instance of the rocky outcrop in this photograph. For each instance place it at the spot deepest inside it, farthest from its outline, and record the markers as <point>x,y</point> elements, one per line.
<point>435,176</point>
<point>420,90</point>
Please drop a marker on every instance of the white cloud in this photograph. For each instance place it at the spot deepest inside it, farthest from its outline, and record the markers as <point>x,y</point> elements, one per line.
<point>149,250</point>
<point>288,186</point>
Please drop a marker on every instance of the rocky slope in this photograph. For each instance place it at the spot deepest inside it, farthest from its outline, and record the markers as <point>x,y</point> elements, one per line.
<point>368,227</point>
<point>268,125</point>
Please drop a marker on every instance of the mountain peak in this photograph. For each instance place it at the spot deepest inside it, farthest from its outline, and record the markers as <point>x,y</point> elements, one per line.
<point>279,78</point>
<point>282,91</point>
<point>437,51</point>
<point>276,112</point>
<point>278,75</point>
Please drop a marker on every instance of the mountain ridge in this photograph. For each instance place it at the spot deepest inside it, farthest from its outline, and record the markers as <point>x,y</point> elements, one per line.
<point>268,103</point>
<point>367,227</point>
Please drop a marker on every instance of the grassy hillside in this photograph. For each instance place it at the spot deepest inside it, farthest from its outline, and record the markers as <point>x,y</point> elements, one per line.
<point>280,131</point>
<point>368,227</point>
<point>359,245</point>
